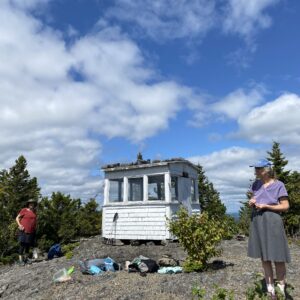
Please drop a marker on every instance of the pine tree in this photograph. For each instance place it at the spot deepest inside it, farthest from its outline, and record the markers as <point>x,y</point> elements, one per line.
<point>209,198</point>
<point>58,219</point>
<point>292,216</point>
<point>5,219</point>
<point>90,219</point>
<point>63,219</point>
<point>244,217</point>
<point>20,186</point>
<point>245,212</point>
<point>278,162</point>
<point>210,202</point>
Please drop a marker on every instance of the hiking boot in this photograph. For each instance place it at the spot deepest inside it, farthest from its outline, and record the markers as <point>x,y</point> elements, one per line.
<point>28,261</point>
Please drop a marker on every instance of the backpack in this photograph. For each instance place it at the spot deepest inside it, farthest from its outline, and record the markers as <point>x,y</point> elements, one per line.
<point>144,266</point>
<point>55,250</point>
<point>151,265</point>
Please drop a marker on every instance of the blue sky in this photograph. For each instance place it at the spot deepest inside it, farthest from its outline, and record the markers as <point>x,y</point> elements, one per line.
<point>84,83</point>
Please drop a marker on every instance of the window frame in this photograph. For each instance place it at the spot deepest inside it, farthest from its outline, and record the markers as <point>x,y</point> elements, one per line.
<point>161,191</point>
<point>120,190</point>
<point>130,192</point>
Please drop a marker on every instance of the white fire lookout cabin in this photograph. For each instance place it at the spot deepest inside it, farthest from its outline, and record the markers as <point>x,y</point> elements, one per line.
<point>140,196</point>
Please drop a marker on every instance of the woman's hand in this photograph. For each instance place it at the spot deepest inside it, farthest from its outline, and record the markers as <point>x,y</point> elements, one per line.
<point>252,202</point>
<point>261,206</point>
<point>21,227</point>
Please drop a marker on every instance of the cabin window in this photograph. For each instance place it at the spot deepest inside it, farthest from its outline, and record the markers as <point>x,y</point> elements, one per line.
<point>116,190</point>
<point>135,189</point>
<point>174,187</point>
<point>156,187</point>
<point>193,191</point>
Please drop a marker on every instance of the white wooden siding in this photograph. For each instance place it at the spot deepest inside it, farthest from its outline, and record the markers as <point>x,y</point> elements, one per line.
<point>137,223</point>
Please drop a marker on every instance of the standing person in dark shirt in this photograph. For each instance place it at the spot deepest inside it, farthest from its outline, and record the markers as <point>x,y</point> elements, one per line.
<point>26,220</point>
<point>267,239</point>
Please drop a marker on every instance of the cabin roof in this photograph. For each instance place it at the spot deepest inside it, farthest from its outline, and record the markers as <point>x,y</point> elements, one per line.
<point>142,164</point>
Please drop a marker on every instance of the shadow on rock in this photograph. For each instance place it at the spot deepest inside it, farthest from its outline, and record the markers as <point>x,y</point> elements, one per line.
<point>219,264</point>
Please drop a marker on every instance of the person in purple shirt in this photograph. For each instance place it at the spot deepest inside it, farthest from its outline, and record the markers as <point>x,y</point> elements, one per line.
<point>267,239</point>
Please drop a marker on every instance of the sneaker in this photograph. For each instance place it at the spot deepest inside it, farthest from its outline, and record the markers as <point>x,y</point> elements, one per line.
<point>271,291</point>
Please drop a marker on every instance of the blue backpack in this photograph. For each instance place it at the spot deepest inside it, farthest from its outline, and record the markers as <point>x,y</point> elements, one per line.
<point>55,250</point>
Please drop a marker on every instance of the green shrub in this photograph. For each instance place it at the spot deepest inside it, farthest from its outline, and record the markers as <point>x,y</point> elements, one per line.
<point>8,259</point>
<point>199,235</point>
<point>219,293</point>
<point>198,293</point>
<point>44,244</point>
<point>67,249</point>
<point>69,254</point>
<point>230,226</point>
<point>222,294</point>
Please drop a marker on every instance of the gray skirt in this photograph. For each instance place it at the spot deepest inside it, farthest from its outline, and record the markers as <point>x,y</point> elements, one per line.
<point>267,239</point>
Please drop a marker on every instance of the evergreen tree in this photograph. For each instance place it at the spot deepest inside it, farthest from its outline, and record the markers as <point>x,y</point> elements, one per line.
<point>203,189</point>
<point>244,217</point>
<point>90,219</point>
<point>5,219</point>
<point>278,162</point>
<point>292,216</point>
<point>19,186</point>
<point>57,219</point>
<point>210,202</point>
<point>245,212</point>
<point>209,198</point>
<point>62,219</point>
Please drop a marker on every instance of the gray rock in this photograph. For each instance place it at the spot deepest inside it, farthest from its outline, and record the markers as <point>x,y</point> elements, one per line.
<point>236,272</point>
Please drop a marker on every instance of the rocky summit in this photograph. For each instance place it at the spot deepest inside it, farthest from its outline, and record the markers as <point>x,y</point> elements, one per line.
<point>233,270</point>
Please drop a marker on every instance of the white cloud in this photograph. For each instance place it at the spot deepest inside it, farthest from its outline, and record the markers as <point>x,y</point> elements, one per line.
<point>25,4</point>
<point>192,20</point>
<point>55,97</point>
<point>277,120</point>
<point>167,19</point>
<point>233,106</point>
<point>238,103</point>
<point>245,18</point>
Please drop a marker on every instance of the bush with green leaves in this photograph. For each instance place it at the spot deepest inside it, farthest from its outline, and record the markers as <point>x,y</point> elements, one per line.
<point>67,249</point>
<point>199,235</point>
<point>219,293</point>
<point>62,219</point>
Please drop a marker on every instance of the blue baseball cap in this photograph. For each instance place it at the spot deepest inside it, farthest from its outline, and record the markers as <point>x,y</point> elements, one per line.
<point>262,163</point>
